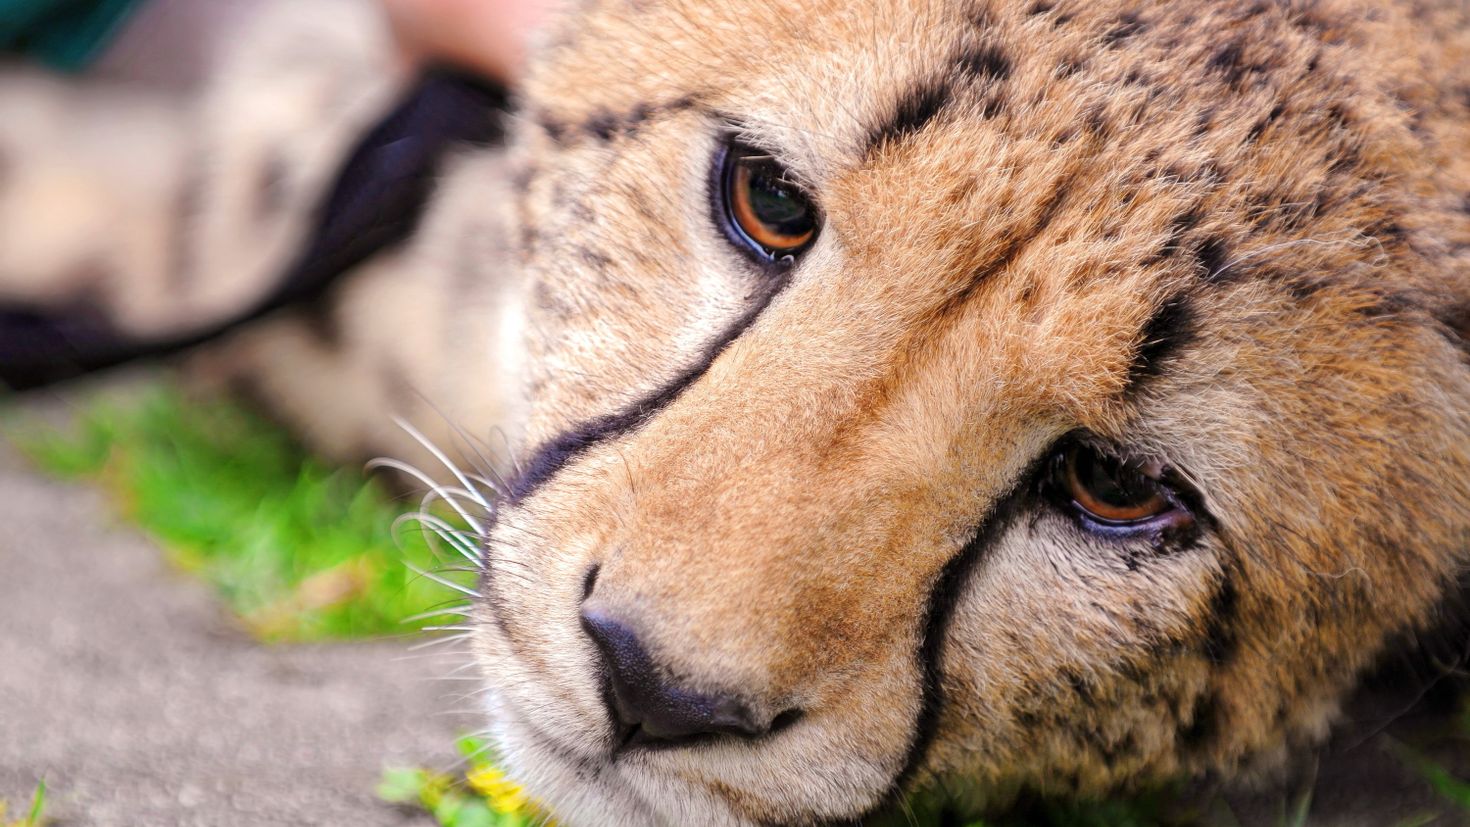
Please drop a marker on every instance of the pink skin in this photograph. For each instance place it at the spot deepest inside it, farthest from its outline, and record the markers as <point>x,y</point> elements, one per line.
<point>486,36</point>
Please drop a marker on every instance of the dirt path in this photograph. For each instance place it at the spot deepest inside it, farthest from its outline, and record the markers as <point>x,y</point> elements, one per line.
<point>126,686</point>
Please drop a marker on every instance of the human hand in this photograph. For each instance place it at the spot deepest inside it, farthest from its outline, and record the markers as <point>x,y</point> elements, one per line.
<point>486,36</point>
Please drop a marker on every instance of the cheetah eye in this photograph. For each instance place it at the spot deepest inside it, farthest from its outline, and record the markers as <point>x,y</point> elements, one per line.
<point>764,212</point>
<point>1109,492</point>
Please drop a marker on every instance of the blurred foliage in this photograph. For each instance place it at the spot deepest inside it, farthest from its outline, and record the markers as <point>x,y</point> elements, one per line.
<point>35,816</point>
<point>301,550</point>
<point>480,796</point>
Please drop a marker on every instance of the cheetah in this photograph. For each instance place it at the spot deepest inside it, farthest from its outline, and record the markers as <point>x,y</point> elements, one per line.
<point>999,394</point>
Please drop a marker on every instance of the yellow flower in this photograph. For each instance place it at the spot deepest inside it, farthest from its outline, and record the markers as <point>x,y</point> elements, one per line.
<point>504,795</point>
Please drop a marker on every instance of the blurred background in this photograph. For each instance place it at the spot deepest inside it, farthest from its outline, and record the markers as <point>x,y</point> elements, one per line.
<point>201,623</point>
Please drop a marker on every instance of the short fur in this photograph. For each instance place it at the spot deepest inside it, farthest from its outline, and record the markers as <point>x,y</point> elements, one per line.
<point>1233,237</point>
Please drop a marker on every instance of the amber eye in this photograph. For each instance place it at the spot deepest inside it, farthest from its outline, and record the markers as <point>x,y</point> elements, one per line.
<point>767,213</point>
<point>1110,490</point>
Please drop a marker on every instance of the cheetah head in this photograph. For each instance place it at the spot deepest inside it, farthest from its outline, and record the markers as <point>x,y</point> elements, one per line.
<point>1002,393</point>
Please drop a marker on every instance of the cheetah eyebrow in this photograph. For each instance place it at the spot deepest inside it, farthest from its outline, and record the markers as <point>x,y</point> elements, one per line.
<point>1171,327</point>
<point>924,101</point>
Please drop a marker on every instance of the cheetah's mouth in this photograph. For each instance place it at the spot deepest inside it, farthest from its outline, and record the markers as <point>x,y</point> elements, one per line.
<point>608,791</point>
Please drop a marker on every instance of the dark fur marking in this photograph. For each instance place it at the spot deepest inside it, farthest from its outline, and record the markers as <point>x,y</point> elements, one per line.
<point>1012,249</point>
<point>556,453</point>
<point>914,111</point>
<point>1169,330</point>
<point>1260,126</point>
<point>948,588</point>
<point>1070,66</point>
<point>1128,25</point>
<point>1212,256</point>
<point>1203,725</point>
<point>986,63</point>
<point>555,130</point>
<point>1455,325</point>
<point>1220,643</point>
<point>603,125</point>
<point>1229,61</point>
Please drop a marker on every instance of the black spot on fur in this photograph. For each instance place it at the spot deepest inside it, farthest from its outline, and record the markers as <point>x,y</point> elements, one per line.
<point>593,259</point>
<point>1219,643</point>
<point>555,130</point>
<point>914,111</point>
<point>1212,256</point>
<point>1260,126</point>
<point>1168,331</point>
<point>1455,325</point>
<point>1070,66</point>
<point>1203,724</point>
<point>1229,62</point>
<point>986,63</point>
<point>602,126</point>
<point>1128,25</point>
<point>1040,7</point>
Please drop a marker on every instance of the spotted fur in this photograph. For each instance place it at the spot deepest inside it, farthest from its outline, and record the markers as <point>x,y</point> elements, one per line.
<point>1232,237</point>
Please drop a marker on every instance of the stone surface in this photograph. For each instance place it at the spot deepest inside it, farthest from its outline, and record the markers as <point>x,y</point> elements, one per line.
<point>130,690</point>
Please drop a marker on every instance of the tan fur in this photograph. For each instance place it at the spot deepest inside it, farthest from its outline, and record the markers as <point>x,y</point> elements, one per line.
<point>1293,172</point>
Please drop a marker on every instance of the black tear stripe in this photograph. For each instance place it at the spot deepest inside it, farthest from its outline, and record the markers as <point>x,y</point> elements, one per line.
<point>945,596</point>
<point>554,454</point>
<point>1171,328</point>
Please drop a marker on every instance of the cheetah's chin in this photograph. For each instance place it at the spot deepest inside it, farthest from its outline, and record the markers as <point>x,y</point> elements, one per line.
<point>608,792</point>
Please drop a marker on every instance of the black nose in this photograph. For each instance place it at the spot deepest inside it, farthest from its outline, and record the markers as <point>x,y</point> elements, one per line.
<point>648,707</point>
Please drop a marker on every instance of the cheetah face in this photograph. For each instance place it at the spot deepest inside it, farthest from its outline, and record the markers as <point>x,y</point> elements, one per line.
<point>960,393</point>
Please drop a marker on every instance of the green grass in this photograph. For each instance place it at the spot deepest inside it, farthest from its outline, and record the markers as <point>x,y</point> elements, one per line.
<point>35,816</point>
<point>299,549</point>
<point>481,796</point>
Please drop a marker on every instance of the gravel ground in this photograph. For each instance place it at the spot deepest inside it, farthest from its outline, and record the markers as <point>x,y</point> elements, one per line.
<point>126,686</point>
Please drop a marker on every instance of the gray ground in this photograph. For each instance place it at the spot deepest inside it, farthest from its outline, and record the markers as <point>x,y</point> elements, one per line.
<point>126,686</point>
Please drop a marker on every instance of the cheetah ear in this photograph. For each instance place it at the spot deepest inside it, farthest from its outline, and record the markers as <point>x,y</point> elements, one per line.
<point>377,200</point>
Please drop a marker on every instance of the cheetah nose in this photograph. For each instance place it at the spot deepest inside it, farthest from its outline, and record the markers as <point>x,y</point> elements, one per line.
<point>649,709</point>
